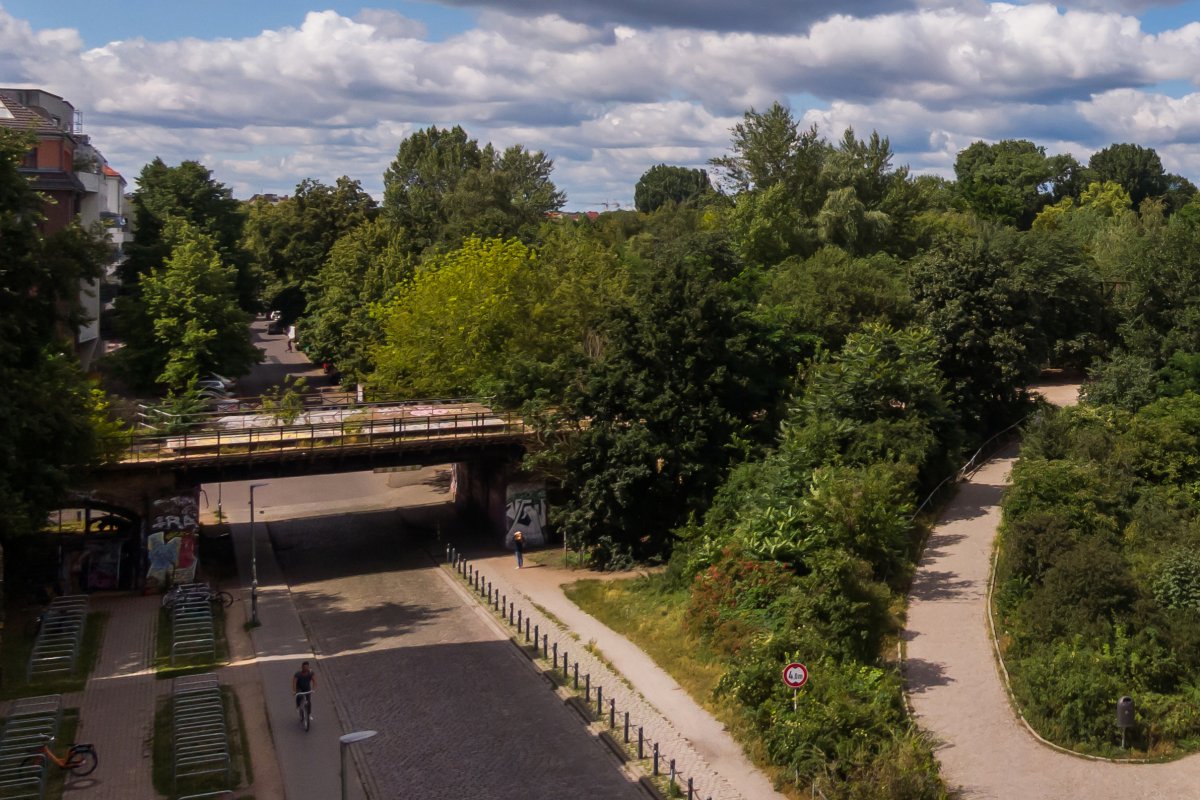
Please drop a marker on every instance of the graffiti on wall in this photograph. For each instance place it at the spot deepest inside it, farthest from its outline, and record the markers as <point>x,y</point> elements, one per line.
<point>171,547</point>
<point>525,511</point>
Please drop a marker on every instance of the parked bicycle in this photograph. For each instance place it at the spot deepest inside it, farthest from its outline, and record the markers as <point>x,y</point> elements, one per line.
<point>304,704</point>
<point>80,759</point>
<point>200,591</point>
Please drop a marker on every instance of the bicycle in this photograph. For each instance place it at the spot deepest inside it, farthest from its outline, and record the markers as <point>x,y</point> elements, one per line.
<point>80,759</point>
<point>196,591</point>
<point>305,708</point>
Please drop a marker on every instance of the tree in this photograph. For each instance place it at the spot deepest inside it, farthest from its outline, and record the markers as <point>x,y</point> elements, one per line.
<point>365,269</point>
<point>47,431</point>
<point>289,240</point>
<point>442,187</point>
<point>680,379</point>
<point>1138,170</point>
<point>661,184</point>
<point>1010,181</point>
<point>187,321</point>
<point>495,316</point>
<point>188,192</point>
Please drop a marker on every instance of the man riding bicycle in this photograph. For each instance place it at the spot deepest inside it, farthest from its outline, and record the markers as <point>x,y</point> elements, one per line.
<point>303,682</point>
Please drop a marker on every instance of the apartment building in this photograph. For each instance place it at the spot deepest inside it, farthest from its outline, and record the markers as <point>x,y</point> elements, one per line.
<point>78,183</point>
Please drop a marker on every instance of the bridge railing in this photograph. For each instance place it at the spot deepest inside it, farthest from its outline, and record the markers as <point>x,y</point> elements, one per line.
<point>359,431</point>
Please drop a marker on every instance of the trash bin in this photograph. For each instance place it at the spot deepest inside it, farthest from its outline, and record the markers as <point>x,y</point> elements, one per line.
<point>1125,712</point>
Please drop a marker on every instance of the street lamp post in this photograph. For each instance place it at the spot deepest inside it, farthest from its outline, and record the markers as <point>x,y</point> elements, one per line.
<point>253,560</point>
<point>347,740</point>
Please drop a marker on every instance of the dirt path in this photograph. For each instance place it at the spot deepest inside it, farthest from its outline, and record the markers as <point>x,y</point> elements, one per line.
<point>953,679</point>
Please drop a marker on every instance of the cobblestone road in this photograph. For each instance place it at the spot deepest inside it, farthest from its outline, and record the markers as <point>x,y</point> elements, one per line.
<point>461,713</point>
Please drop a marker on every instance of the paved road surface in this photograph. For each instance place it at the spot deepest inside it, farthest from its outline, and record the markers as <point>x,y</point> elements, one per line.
<point>461,713</point>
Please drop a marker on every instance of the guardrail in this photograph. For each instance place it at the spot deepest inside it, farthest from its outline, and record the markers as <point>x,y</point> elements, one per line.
<point>358,431</point>
<point>200,737</point>
<point>59,637</point>
<point>30,723</point>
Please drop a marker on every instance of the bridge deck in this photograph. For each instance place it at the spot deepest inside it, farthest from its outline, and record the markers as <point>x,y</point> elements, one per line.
<point>252,436</point>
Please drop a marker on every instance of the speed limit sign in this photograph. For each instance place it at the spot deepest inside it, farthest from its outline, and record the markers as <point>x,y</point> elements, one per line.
<point>795,675</point>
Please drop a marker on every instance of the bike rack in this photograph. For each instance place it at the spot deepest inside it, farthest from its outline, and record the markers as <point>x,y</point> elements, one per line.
<point>29,724</point>
<point>56,648</point>
<point>192,633</point>
<point>200,738</point>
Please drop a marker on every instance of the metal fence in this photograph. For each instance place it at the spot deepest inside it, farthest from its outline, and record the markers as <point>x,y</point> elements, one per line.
<point>199,734</point>
<point>192,631</point>
<point>59,638</point>
<point>32,722</point>
<point>623,732</point>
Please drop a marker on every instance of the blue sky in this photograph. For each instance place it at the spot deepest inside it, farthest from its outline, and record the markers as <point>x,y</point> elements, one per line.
<point>267,94</point>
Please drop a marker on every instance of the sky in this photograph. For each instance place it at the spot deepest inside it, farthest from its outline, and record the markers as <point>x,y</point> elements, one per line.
<point>268,94</point>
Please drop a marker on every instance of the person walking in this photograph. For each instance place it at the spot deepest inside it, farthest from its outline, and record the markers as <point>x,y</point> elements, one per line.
<point>291,336</point>
<point>519,548</point>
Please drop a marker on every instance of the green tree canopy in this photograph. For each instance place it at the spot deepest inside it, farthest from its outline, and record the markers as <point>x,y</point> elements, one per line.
<point>186,321</point>
<point>188,192</point>
<point>661,184</point>
<point>47,435</point>
<point>1010,181</point>
<point>442,187</point>
<point>288,241</point>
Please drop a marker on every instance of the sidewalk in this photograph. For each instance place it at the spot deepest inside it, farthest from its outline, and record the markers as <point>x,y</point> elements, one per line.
<point>309,761</point>
<point>701,747</point>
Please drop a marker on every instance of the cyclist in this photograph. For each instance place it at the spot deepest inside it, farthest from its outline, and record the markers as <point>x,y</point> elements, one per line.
<point>304,681</point>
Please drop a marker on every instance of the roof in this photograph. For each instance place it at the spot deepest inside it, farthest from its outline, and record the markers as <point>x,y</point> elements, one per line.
<point>110,172</point>
<point>22,117</point>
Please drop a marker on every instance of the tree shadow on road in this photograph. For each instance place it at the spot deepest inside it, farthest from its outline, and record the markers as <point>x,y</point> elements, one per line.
<point>934,585</point>
<point>922,675</point>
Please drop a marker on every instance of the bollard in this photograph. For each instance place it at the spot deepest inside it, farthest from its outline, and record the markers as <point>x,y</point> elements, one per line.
<point>564,665</point>
<point>555,661</point>
<point>656,759</point>
<point>504,604</point>
<point>600,701</point>
<point>447,553</point>
<point>626,727</point>
<point>545,645</point>
<point>536,635</point>
<point>671,782</point>
<point>641,742</point>
<point>512,616</point>
<point>612,713</point>
<point>587,687</point>
<point>521,623</point>
<point>527,630</point>
<point>576,675</point>
<point>691,791</point>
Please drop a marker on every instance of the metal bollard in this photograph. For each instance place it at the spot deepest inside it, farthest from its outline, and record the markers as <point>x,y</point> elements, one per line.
<point>626,727</point>
<point>587,687</point>
<point>555,661</point>
<point>545,645</point>
<point>600,701</point>
<point>612,713</point>
<point>656,759</point>
<point>576,674</point>
<point>691,791</point>
<point>671,782</point>
<point>512,615</point>
<point>526,627</point>
<point>564,665</point>
<point>521,622</point>
<point>641,742</point>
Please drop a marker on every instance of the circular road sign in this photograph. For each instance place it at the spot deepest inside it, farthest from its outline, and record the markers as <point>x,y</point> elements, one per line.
<point>795,675</point>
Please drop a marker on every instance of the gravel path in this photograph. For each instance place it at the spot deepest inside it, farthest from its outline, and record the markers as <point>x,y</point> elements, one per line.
<point>955,687</point>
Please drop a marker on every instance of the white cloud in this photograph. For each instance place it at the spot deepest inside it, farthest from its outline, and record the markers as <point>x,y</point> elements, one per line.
<point>335,95</point>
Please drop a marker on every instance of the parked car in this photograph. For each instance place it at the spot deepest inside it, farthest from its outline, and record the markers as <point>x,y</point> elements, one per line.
<point>215,386</point>
<point>228,383</point>
<point>276,327</point>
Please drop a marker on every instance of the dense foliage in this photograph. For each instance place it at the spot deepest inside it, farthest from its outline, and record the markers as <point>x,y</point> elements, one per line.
<point>50,411</point>
<point>1098,581</point>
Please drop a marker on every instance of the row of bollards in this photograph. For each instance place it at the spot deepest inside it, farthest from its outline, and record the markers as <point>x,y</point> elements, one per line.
<point>523,622</point>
